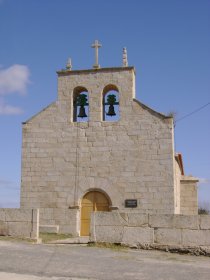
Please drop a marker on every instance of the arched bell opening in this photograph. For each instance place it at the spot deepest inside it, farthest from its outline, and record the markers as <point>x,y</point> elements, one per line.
<point>80,104</point>
<point>92,201</point>
<point>110,103</point>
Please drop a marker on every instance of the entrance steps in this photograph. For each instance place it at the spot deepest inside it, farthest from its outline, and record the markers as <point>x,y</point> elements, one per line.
<point>74,240</point>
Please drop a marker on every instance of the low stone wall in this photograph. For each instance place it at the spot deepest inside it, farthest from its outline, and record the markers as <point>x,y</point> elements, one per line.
<point>19,222</point>
<point>63,220</point>
<point>135,229</point>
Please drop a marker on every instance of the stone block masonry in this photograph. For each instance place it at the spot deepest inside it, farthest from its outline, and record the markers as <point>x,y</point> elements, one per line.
<point>59,220</point>
<point>65,157</point>
<point>130,158</point>
<point>146,229</point>
<point>19,222</point>
<point>188,197</point>
<point>73,165</point>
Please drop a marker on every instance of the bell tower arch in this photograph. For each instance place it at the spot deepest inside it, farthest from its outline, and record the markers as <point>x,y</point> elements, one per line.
<point>110,103</point>
<point>80,104</point>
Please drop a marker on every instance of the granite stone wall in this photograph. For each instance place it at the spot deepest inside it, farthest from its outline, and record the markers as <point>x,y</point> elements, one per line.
<point>186,193</point>
<point>60,220</point>
<point>189,195</point>
<point>19,222</point>
<point>132,158</point>
<point>135,228</point>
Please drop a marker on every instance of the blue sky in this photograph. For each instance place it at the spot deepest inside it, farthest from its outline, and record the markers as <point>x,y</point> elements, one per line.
<point>168,42</point>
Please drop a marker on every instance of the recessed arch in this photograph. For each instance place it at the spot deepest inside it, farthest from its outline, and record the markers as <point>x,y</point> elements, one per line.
<point>110,87</point>
<point>92,201</point>
<point>96,190</point>
<point>110,103</point>
<point>80,104</point>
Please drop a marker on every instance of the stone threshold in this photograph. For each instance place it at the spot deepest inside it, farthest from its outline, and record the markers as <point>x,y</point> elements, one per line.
<point>74,240</point>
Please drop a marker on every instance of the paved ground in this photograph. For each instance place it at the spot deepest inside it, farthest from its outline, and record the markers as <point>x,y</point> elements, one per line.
<point>19,261</point>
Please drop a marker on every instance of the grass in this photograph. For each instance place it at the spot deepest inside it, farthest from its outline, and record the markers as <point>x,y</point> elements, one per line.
<point>16,239</point>
<point>113,246</point>
<point>47,237</point>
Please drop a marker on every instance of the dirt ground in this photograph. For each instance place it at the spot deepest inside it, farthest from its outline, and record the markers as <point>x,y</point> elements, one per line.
<point>24,261</point>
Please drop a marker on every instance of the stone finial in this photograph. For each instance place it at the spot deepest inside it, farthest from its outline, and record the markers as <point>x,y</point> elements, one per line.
<point>68,64</point>
<point>125,58</point>
<point>96,45</point>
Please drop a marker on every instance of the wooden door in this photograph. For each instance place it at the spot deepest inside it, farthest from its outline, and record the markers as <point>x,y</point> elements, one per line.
<point>92,201</point>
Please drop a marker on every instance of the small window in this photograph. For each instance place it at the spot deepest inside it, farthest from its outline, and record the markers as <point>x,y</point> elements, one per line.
<point>110,103</point>
<point>80,104</point>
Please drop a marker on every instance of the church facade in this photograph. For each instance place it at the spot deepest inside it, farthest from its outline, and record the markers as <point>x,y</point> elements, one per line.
<point>97,148</point>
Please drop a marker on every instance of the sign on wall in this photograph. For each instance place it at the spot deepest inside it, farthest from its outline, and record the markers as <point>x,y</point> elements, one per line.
<point>131,203</point>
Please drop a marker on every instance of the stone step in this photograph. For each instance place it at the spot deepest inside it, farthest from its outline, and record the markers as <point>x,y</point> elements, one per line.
<point>73,240</point>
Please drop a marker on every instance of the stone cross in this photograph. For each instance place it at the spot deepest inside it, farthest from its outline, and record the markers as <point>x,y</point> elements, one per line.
<point>69,64</point>
<point>96,45</point>
<point>125,58</point>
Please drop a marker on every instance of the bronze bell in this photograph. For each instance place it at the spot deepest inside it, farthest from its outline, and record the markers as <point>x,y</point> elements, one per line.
<point>82,113</point>
<point>111,111</point>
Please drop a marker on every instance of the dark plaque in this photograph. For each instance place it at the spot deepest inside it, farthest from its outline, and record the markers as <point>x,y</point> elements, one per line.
<point>131,203</point>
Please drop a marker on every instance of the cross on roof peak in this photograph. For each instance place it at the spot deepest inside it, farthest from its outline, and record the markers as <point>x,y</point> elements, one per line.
<point>96,45</point>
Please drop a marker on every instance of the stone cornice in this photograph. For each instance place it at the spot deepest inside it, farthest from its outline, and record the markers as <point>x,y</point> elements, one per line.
<point>153,112</point>
<point>66,72</point>
<point>188,179</point>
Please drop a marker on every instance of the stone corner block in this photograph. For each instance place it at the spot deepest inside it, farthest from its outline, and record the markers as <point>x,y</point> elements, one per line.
<point>49,228</point>
<point>166,236</point>
<point>161,220</point>
<point>137,219</point>
<point>138,235</point>
<point>22,229</point>
<point>3,228</point>
<point>18,215</point>
<point>2,215</point>
<point>111,234</point>
<point>204,221</point>
<point>108,219</point>
<point>175,221</point>
<point>186,221</point>
<point>196,237</point>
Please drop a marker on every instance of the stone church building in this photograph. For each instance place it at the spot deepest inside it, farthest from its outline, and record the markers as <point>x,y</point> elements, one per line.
<point>97,148</point>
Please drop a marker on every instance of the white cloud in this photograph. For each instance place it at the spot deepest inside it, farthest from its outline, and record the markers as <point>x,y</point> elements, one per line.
<point>14,79</point>
<point>9,110</point>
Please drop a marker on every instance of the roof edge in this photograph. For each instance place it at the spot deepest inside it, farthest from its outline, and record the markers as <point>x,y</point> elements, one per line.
<point>185,178</point>
<point>45,108</point>
<point>66,72</point>
<point>179,160</point>
<point>153,112</point>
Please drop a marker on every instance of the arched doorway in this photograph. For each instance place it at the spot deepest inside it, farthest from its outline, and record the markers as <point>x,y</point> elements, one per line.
<point>93,201</point>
